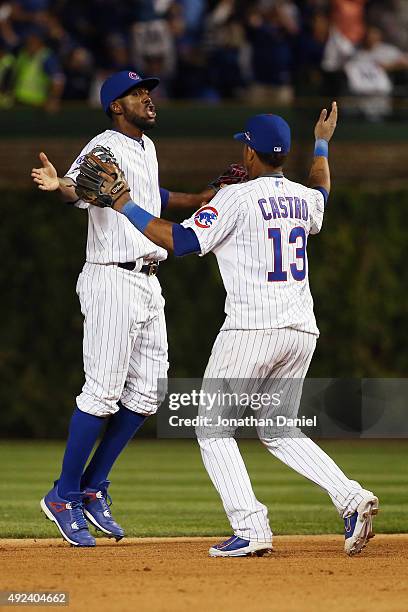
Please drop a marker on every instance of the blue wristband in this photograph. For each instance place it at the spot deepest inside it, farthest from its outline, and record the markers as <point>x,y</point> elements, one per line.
<point>321,148</point>
<point>139,217</point>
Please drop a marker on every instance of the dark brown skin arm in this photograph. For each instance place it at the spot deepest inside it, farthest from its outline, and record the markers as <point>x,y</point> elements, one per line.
<point>158,231</point>
<point>189,200</point>
<point>320,172</point>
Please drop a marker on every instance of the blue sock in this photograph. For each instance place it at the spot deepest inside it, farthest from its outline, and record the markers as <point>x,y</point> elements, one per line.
<point>83,433</point>
<point>121,428</point>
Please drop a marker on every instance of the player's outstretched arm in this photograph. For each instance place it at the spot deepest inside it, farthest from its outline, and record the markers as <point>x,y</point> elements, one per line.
<point>171,236</point>
<point>324,129</point>
<point>157,230</point>
<point>189,200</point>
<point>234,173</point>
<point>47,179</point>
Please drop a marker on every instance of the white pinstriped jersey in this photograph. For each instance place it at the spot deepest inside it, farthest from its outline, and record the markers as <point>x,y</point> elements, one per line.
<point>111,237</point>
<point>258,231</point>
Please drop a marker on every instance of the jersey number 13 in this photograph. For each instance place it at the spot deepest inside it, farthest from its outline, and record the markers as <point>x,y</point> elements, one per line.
<point>278,273</point>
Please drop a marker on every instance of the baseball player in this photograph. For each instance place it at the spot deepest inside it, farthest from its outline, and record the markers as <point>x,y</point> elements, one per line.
<point>258,231</point>
<point>125,343</point>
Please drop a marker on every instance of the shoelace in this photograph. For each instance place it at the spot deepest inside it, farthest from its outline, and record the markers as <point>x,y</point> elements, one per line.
<point>106,501</point>
<point>78,515</point>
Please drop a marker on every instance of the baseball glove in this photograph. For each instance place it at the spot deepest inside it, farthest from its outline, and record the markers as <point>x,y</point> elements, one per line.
<point>91,183</point>
<point>235,173</point>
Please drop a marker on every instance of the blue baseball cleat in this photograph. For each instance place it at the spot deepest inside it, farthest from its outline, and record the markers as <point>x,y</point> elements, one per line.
<point>68,515</point>
<point>238,547</point>
<point>96,510</point>
<point>358,528</point>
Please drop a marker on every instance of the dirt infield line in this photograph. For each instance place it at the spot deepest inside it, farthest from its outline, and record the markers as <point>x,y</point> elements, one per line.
<point>304,573</point>
<point>46,542</point>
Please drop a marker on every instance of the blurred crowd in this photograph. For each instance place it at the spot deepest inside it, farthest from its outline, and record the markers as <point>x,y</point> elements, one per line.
<point>210,50</point>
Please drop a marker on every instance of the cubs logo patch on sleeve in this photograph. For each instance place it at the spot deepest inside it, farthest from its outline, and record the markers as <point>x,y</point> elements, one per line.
<point>205,217</point>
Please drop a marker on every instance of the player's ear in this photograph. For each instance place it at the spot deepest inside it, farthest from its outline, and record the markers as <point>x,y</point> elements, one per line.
<point>251,154</point>
<point>115,108</point>
<point>248,155</point>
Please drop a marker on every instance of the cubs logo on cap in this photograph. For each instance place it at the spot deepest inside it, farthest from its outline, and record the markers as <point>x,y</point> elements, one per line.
<point>205,217</point>
<point>119,83</point>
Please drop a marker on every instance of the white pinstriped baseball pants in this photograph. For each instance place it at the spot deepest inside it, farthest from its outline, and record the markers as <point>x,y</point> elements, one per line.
<point>267,354</point>
<point>125,340</point>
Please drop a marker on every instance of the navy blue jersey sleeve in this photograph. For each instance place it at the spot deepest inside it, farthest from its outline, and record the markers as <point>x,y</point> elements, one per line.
<point>323,192</point>
<point>164,196</point>
<point>184,241</point>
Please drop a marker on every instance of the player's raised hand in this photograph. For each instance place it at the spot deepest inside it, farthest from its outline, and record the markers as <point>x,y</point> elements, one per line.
<point>45,177</point>
<point>326,124</point>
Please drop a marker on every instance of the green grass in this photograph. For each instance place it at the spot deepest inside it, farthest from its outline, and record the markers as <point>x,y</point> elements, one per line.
<point>160,488</point>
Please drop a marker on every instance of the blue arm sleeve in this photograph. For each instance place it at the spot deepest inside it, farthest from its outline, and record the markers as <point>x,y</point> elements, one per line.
<point>137,216</point>
<point>323,192</point>
<point>184,241</point>
<point>164,196</point>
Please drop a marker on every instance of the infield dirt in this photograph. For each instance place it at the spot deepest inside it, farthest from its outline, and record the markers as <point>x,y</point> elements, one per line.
<point>304,573</point>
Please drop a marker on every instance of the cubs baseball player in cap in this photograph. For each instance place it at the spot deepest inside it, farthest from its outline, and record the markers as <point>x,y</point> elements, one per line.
<point>125,343</point>
<point>258,231</point>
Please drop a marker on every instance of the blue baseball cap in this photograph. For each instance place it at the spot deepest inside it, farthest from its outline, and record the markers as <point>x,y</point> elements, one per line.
<point>119,83</point>
<point>266,134</point>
